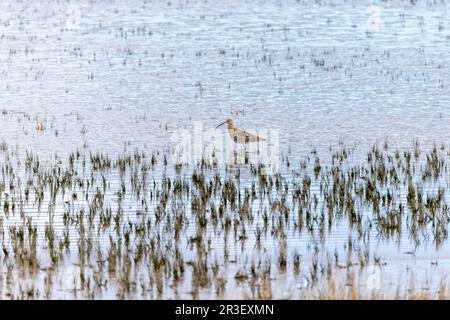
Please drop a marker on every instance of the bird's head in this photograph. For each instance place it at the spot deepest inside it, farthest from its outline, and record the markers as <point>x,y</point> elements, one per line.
<point>229,123</point>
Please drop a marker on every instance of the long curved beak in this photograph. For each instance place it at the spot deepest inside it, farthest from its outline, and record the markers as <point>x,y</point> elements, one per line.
<point>221,124</point>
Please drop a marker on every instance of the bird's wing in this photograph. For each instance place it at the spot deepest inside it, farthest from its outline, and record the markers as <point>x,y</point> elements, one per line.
<point>247,136</point>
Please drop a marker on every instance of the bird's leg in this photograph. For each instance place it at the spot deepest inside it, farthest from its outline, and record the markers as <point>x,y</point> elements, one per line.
<point>243,148</point>
<point>235,154</point>
<point>246,154</point>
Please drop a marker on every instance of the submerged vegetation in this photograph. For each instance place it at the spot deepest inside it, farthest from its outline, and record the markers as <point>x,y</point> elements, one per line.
<point>135,226</point>
<point>92,206</point>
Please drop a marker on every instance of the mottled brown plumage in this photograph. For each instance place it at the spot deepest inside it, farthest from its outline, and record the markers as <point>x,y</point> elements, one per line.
<point>240,136</point>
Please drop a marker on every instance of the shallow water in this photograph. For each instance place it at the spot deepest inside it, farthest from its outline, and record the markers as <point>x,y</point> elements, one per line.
<point>113,76</point>
<point>155,64</point>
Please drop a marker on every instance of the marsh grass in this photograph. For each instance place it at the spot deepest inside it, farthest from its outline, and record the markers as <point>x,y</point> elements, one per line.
<point>135,227</point>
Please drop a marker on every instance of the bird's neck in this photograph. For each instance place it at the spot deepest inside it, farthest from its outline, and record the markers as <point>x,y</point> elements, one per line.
<point>230,125</point>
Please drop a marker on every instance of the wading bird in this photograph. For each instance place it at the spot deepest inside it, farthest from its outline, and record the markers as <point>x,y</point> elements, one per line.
<point>238,135</point>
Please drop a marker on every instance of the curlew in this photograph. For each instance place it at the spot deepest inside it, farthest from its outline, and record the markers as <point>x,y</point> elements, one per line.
<point>240,136</point>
